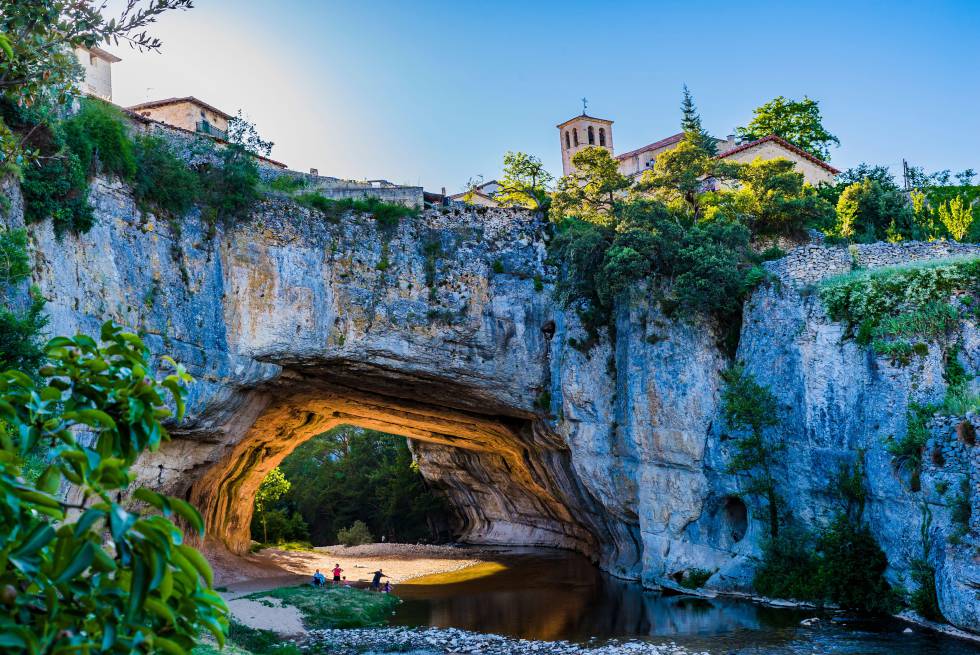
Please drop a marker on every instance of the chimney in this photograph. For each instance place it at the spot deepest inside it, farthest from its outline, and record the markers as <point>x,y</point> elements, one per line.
<point>314,171</point>
<point>731,138</point>
<point>443,190</point>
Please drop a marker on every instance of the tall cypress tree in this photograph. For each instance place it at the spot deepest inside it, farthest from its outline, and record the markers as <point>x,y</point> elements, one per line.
<point>691,124</point>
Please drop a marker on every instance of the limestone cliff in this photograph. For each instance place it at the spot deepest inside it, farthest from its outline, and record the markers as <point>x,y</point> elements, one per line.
<point>445,330</point>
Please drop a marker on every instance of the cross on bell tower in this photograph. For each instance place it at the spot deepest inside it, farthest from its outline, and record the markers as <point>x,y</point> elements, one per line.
<point>585,105</point>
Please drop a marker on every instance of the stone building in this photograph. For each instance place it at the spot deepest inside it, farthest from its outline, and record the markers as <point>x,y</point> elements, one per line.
<point>583,131</point>
<point>481,195</point>
<point>188,114</point>
<point>96,65</point>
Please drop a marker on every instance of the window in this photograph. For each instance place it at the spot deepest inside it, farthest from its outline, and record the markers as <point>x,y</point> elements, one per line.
<point>575,135</point>
<point>591,136</point>
<point>602,136</point>
<point>568,140</point>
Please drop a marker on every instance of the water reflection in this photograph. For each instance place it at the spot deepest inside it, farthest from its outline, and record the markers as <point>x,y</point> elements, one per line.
<point>553,596</point>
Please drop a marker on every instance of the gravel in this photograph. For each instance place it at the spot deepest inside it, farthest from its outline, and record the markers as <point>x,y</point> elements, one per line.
<point>439,641</point>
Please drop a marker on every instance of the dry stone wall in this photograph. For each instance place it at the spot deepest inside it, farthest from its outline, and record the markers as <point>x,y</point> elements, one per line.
<point>813,262</point>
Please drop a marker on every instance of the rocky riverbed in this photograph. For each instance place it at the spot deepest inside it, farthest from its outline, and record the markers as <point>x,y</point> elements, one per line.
<point>432,641</point>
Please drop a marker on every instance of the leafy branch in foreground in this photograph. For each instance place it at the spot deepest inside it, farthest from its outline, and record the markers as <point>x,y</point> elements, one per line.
<point>91,575</point>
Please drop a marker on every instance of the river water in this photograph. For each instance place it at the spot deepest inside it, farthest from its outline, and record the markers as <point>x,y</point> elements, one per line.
<point>553,596</point>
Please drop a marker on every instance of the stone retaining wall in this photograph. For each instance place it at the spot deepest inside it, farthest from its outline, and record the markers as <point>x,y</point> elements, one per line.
<point>813,262</point>
<point>337,189</point>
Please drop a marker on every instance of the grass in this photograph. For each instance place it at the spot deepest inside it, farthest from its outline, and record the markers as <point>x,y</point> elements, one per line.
<point>385,213</point>
<point>335,607</point>
<point>301,546</point>
<point>244,640</point>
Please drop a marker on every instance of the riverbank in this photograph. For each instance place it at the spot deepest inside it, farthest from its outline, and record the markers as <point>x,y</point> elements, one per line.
<point>273,568</point>
<point>444,641</point>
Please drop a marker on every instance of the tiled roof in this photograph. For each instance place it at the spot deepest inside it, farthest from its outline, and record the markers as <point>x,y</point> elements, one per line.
<point>175,101</point>
<point>652,146</point>
<point>785,144</point>
<point>591,118</point>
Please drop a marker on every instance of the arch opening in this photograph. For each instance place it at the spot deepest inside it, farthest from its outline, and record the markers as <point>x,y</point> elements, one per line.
<point>506,476</point>
<point>348,476</point>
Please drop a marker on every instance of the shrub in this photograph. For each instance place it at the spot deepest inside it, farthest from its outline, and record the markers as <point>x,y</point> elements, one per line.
<point>852,568</point>
<point>887,292</point>
<point>101,577</point>
<point>162,180</point>
<point>21,347</point>
<point>498,266</point>
<point>923,598</point>
<point>961,510</point>
<point>54,183</point>
<point>907,452</point>
<point>789,568</point>
<point>231,189</point>
<point>98,136</point>
<point>355,535</point>
<point>287,184</point>
<point>386,214</point>
<point>695,578</point>
<point>843,565</point>
<point>750,407</point>
<point>15,265</point>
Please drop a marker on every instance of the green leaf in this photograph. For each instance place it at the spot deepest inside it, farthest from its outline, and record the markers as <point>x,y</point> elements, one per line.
<point>168,646</point>
<point>80,561</point>
<point>50,480</point>
<point>190,514</point>
<point>198,562</point>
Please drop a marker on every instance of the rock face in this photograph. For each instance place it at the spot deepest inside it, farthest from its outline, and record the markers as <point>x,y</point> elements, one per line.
<point>445,330</point>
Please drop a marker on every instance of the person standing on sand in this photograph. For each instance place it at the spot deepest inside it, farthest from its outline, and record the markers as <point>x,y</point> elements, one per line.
<point>336,573</point>
<point>376,580</point>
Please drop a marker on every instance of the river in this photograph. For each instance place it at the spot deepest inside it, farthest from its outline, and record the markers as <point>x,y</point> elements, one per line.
<point>555,595</point>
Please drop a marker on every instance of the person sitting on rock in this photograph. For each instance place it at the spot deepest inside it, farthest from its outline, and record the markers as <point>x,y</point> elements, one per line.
<point>319,579</point>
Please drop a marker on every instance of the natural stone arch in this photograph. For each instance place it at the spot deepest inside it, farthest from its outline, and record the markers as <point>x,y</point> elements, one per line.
<point>509,478</point>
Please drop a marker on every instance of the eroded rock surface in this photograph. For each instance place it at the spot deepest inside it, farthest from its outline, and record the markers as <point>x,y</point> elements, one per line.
<point>293,325</point>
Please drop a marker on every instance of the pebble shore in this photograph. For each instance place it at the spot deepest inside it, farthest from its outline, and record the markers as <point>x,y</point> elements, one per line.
<point>445,641</point>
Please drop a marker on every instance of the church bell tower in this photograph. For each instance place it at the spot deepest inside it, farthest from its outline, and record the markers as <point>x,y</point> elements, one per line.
<point>581,132</point>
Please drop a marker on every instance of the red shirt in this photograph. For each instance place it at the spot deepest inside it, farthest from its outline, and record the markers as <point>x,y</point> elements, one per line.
<point>336,572</point>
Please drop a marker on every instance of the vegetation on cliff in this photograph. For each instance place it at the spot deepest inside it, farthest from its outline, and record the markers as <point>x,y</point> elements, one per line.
<point>841,563</point>
<point>92,573</point>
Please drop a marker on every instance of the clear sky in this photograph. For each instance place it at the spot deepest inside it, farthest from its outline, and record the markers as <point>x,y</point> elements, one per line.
<point>434,93</point>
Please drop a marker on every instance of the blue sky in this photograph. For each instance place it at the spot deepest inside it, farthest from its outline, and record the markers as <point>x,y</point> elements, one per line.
<point>436,92</point>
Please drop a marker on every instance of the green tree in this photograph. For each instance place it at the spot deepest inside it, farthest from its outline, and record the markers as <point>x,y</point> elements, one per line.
<point>351,474</point>
<point>524,182</point>
<point>773,199</point>
<point>36,43</point>
<point>956,216</point>
<point>592,189</point>
<point>93,575</point>
<point>867,210</point>
<point>691,125</point>
<point>681,176</point>
<point>751,407</point>
<point>274,486</point>
<point>797,121</point>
